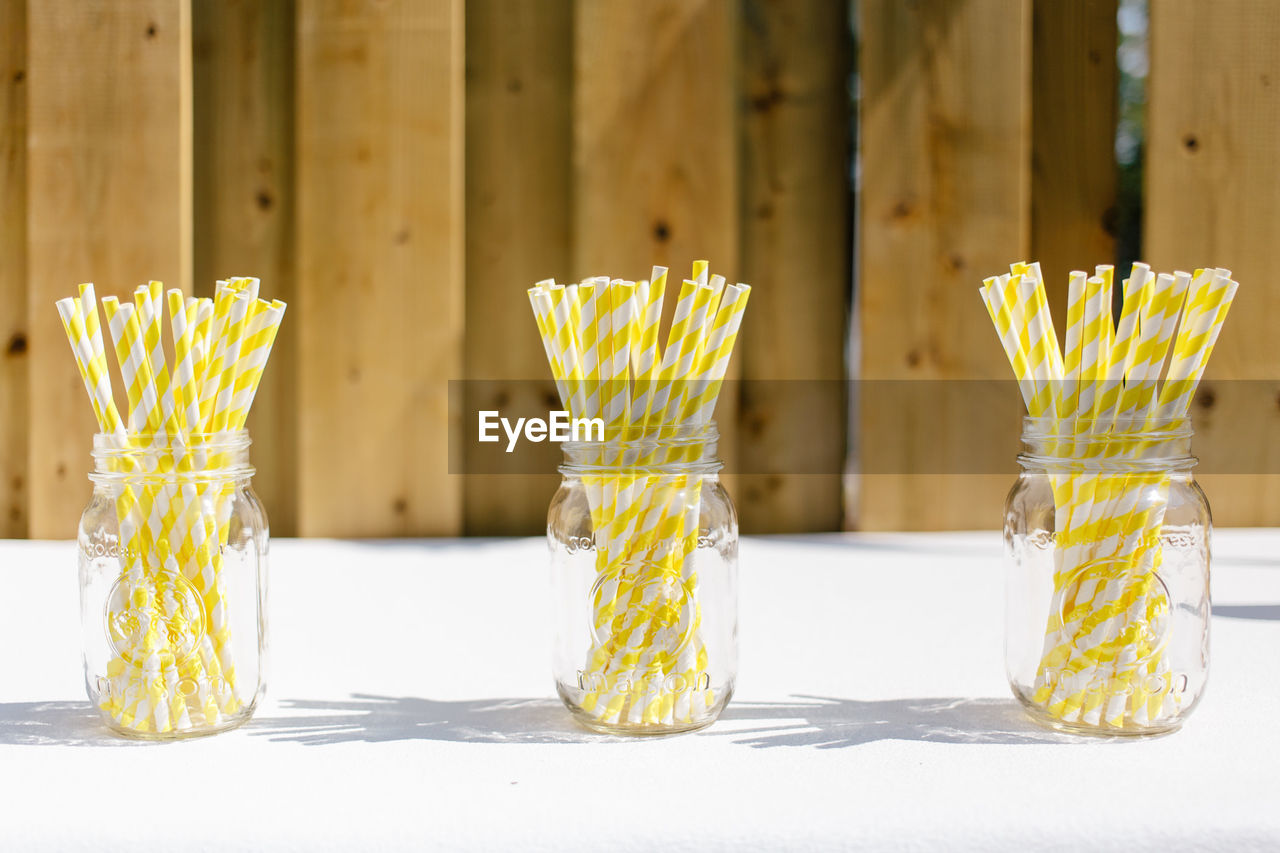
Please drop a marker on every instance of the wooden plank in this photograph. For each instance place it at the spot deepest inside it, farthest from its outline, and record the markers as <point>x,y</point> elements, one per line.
<point>109,201</point>
<point>945,200</point>
<point>654,136</point>
<point>244,205</point>
<point>380,254</point>
<point>13,270</point>
<point>1073,161</point>
<point>655,146</point>
<point>796,253</point>
<point>1213,199</point>
<point>519,80</point>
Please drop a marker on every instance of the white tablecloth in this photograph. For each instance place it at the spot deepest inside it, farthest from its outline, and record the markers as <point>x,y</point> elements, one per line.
<point>411,707</point>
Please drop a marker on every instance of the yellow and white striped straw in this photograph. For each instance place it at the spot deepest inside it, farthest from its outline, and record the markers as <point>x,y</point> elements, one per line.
<point>1107,381</point>
<point>645,523</point>
<point>173,529</point>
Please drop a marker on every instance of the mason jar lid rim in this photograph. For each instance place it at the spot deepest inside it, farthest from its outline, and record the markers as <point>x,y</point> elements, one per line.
<point>1101,429</point>
<point>1173,462</point>
<point>106,444</point>
<point>640,436</point>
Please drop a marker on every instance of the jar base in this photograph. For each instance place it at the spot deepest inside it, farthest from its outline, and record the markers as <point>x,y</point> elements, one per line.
<point>1042,718</point>
<point>586,720</point>
<point>226,725</point>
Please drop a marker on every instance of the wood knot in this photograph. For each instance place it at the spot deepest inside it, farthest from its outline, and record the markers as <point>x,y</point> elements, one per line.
<point>661,231</point>
<point>19,76</point>
<point>151,31</point>
<point>263,199</point>
<point>1111,221</point>
<point>399,506</point>
<point>766,101</point>
<point>1206,398</point>
<point>1191,143</point>
<point>17,345</point>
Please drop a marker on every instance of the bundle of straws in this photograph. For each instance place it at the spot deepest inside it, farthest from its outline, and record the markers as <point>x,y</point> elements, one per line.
<point>1103,663</point>
<point>601,340</point>
<point>172,667</point>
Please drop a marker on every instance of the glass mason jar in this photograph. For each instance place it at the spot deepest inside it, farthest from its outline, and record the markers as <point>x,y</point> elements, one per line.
<point>644,566</point>
<point>1107,596</point>
<point>173,552</point>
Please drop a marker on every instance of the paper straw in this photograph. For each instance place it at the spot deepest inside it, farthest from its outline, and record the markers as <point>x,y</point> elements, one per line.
<point>1111,373</point>
<point>166,526</point>
<point>615,339</point>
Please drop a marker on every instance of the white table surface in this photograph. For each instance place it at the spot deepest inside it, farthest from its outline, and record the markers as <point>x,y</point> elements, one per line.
<point>411,707</point>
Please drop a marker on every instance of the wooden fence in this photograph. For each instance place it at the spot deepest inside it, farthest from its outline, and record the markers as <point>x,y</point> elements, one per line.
<point>987,133</point>
<point>401,171</point>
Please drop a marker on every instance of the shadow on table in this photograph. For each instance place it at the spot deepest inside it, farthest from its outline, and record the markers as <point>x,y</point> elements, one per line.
<point>363,718</point>
<point>1247,611</point>
<point>55,724</point>
<point>828,723</point>
<point>809,721</point>
<point>375,719</point>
